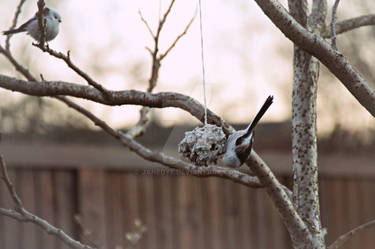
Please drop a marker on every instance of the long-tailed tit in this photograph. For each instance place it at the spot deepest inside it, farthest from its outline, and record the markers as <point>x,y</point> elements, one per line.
<point>52,18</point>
<point>239,143</point>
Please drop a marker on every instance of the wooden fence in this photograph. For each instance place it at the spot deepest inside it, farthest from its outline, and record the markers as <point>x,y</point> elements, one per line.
<point>99,206</point>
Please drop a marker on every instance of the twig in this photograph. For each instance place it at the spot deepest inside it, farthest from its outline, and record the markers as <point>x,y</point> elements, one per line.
<point>333,24</point>
<point>17,66</point>
<point>146,23</point>
<point>10,185</point>
<point>351,24</point>
<point>345,237</point>
<point>179,37</point>
<point>14,23</point>
<point>68,61</point>
<point>145,120</point>
<point>23,215</point>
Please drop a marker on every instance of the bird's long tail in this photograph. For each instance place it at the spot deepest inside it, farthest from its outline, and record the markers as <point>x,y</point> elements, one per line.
<point>260,114</point>
<point>13,31</point>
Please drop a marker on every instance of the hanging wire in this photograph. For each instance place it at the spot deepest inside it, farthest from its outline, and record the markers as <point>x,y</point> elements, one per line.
<point>203,65</point>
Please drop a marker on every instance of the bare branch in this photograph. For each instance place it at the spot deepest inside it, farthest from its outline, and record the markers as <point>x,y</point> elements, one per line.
<point>162,21</point>
<point>146,23</point>
<point>68,61</point>
<point>142,124</point>
<point>178,37</point>
<point>133,97</point>
<point>10,185</point>
<point>14,23</point>
<point>25,216</point>
<point>280,197</point>
<point>350,24</point>
<point>17,66</point>
<point>163,159</point>
<point>319,48</point>
<point>333,24</point>
<point>345,237</point>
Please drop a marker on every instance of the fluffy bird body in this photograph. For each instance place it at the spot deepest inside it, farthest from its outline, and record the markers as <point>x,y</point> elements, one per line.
<point>52,18</point>
<point>239,143</point>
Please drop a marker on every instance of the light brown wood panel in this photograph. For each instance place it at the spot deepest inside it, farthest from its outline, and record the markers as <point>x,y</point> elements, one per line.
<point>25,185</point>
<point>65,183</point>
<point>91,207</point>
<point>114,210</point>
<point>12,228</point>
<point>45,205</point>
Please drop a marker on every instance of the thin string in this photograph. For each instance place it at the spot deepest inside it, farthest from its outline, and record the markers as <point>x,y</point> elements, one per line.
<point>203,66</point>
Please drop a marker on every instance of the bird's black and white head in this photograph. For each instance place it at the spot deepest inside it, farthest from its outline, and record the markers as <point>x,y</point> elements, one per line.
<point>240,143</point>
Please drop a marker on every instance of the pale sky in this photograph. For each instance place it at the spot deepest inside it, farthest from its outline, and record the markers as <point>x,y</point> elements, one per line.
<point>247,58</point>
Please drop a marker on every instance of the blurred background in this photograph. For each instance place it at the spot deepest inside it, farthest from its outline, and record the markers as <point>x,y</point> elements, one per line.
<point>89,176</point>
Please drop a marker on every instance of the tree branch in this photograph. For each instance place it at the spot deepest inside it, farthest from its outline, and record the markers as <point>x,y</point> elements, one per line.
<point>71,65</point>
<point>350,24</point>
<point>345,237</point>
<point>130,97</point>
<point>318,47</point>
<point>333,24</point>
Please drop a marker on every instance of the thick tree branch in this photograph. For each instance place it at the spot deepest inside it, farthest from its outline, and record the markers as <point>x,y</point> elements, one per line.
<point>318,47</point>
<point>345,237</point>
<point>304,135</point>
<point>350,24</point>
<point>130,97</point>
<point>280,197</point>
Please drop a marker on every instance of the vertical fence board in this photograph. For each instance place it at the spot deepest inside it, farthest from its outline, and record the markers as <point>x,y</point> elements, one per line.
<point>65,188</point>
<point>230,205</point>
<point>245,223</point>
<point>367,205</point>
<point>12,229</point>
<point>146,207</point>
<point>130,193</point>
<point>199,214</point>
<point>185,212</point>
<point>114,208</point>
<point>26,191</point>
<point>214,212</point>
<point>45,205</point>
<point>91,206</point>
<point>165,211</point>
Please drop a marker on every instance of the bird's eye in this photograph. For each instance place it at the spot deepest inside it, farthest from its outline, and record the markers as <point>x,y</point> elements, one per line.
<point>55,16</point>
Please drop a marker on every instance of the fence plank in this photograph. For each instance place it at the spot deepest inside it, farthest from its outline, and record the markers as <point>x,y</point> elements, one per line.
<point>147,206</point>
<point>12,228</point>
<point>26,191</point>
<point>214,213</point>
<point>114,211</point>
<point>91,206</point>
<point>164,210</point>
<point>65,187</point>
<point>130,194</point>
<point>45,205</point>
